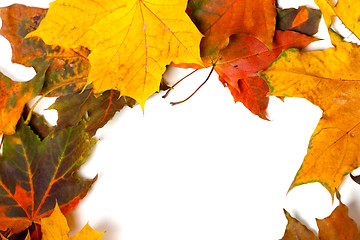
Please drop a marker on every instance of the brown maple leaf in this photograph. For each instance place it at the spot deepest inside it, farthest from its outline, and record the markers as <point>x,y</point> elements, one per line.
<point>337,226</point>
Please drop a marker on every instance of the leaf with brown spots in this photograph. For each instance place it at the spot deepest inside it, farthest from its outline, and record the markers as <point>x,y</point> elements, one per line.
<point>36,174</point>
<point>131,41</point>
<point>14,96</point>
<point>69,68</point>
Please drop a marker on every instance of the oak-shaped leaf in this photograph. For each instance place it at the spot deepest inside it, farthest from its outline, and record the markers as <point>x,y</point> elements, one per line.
<point>220,19</point>
<point>13,97</point>
<point>336,226</point>
<point>330,80</point>
<point>96,111</point>
<point>55,227</point>
<point>303,19</point>
<point>36,174</point>
<point>69,68</point>
<point>131,41</point>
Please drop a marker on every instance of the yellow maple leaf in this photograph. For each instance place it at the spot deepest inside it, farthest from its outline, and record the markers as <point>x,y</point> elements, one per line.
<point>346,10</point>
<point>132,41</point>
<point>326,7</point>
<point>55,227</point>
<point>330,80</point>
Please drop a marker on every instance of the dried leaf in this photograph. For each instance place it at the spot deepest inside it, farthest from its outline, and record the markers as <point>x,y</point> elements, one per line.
<point>303,20</point>
<point>295,230</point>
<point>96,111</point>
<point>35,174</point>
<point>131,41</point>
<point>338,226</point>
<point>14,96</point>
<point>69,68</point>
<point>328,79</point>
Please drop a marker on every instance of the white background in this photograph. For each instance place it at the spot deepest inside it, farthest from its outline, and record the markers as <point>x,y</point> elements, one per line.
<point>204,169</point>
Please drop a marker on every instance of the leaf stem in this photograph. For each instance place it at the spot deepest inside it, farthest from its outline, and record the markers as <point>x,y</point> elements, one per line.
<point>175,103</point>
<point>1,139</point>
<point>28,118</point>
<point>172,87</point>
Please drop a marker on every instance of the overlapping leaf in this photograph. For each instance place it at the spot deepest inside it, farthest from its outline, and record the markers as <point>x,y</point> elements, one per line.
<point>55,227</point>
<point>239,63</point>
<point>96,111</point>
<point>329,79</point>
<point>236,54</point>
<point>14,96</point>
<point>337,226</point>
<point>69,68</point>
<point>346,10</point>
<point>131,41</point>
<point>244,57</point>
<point>36,174</point>
<point>220,19</point>
<point>303,19</point>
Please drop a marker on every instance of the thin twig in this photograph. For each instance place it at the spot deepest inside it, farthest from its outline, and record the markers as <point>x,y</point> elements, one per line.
<point>44,95</point>
<point>172,87</point>
<point>175,103</point>
<point>1,139</point>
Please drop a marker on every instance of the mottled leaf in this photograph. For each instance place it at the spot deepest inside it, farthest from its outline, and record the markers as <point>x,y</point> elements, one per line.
<point>14,96</point>
<point>36,174</point>
<point>69,68</point>
<point>96,111</point>
<point>38,123</point>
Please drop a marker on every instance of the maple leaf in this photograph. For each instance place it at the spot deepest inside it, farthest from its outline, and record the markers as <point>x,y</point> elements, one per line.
<point>303,19</point>
<point>14,96</point>
<point>328,79</point>
<point>238,58</point>
<point>244,57</point>
<point>68,68</point>
<point>35,174</point>
<point>98,110</point>
<point>55,227</point>
<point>346,10</point>
<point>239,63</point>
<point>131,41</point>
<point>337,226</point>
<point>220,19</point>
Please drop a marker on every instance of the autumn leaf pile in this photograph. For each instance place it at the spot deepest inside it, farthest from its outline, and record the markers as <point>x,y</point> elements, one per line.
<point>98,57</point>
